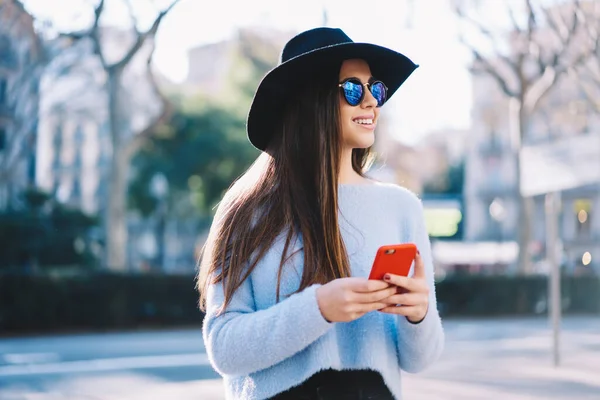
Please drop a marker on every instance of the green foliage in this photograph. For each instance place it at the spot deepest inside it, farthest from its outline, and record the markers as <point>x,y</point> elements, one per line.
<point>104,301</point>
<point>477,295</point>
<point>44,233</point>
<point>255,56</point>
<point>203,148</point>
<point>456,178</point>
<point>451,182</point>
<point>199,153</point>
<point>95,301</point>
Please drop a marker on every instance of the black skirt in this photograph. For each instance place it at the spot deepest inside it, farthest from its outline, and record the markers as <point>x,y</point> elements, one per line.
<point>339,385</point>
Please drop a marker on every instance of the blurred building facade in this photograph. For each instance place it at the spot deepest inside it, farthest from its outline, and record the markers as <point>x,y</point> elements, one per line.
<point>491,192</point>
<point>74,147</point>
<point>21,65</point>
<point>432,168</point>
<point>219,76</point>
<point>216,72</point>
<point>422,167</point>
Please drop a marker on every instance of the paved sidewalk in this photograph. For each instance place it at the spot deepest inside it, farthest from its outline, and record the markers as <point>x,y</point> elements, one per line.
<point>495,359</point>
<point>506,359</point>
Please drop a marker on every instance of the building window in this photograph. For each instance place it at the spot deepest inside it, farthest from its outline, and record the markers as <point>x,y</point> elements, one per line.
<point>2,91</point>
<point>583,216</point>
<point>76,191</point>
<point>79,136</point>
<point>7,57</point>
<point>2,138</point>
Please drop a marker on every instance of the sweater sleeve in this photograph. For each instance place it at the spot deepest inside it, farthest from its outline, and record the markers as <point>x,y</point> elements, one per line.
<point>243,340</point>
<point>421,344</point>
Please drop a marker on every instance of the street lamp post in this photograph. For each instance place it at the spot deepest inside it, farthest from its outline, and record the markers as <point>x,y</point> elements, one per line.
<point>553,250</point>
<point>497,211</point>
<point>159,187</point>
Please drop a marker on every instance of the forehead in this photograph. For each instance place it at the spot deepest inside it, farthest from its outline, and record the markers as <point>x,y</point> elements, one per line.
<point>355,68</point>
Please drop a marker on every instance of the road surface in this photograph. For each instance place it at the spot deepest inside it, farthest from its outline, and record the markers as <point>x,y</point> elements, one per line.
<point>484,359</point>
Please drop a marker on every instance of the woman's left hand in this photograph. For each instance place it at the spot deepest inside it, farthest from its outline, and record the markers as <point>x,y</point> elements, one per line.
<point>412,299</point>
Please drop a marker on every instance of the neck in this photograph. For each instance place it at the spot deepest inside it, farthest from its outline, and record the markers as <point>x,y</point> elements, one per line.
<point>347,173</point>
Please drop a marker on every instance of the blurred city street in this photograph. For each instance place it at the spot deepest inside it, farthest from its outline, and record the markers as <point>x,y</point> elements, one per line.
<point>124,123</point>
<point>484,359</point>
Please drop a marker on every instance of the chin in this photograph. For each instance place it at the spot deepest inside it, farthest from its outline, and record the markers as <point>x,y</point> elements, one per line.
<point>363,142</point>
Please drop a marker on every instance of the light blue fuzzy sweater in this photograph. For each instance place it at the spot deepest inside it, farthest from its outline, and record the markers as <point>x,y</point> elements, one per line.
<point>261,347</point>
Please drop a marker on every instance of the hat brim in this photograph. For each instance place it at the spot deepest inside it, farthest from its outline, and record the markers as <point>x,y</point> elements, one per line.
<point>389,66</point>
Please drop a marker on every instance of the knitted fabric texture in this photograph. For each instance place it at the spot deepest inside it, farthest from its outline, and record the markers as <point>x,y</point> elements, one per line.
<point>262,347</point>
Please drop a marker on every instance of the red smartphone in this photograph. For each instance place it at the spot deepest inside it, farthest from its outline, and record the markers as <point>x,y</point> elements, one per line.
<point>394,259</point>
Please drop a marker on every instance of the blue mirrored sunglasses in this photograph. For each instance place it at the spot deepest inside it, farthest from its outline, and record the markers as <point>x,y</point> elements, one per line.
<point>354,91</point>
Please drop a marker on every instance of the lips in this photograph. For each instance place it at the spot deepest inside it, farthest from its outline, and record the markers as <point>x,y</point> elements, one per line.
<point>367,121</point>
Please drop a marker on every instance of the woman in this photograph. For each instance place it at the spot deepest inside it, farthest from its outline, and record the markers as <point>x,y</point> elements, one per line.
<point>290,313</point>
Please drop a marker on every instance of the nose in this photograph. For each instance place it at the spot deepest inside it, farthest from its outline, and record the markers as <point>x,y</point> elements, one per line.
<point>369,101</point>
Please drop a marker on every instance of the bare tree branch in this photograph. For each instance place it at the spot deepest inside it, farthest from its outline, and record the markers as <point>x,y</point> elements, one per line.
<point>134,20</point>
<point>534,49</point>
<point>591,96</point>
<point>124,137</point>
<point>95,33</point>
<point>565,33</point>
<point>530,47</point>
<point>166,110</point>
<point>513,19</point>
<point>141,38</point>
<point>531,20</point>
<point>513,67</point>
<point>538,88</point>
<point>487,67</point>
<point>550,64</point>
<point>588,73</point>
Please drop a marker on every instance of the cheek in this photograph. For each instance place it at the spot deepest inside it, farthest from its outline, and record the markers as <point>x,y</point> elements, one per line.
<point>345,110</point>
<point>346,117</point>
<point>346,113</point>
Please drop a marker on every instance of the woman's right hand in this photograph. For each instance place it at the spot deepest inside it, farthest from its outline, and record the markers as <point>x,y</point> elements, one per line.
<point>346,299</point>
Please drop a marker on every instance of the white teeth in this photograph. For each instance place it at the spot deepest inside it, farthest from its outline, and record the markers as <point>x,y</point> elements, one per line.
<point>364,121</point>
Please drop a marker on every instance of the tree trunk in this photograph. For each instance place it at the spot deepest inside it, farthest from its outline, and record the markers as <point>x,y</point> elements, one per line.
<point>525,204</point>
<point>116,219</point>
<point>116,213</point>
<point>526,209</point>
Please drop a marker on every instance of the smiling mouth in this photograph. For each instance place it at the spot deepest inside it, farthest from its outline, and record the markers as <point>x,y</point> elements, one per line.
<point>365,122</point>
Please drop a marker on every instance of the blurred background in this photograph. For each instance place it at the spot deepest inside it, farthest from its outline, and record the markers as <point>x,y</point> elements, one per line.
<point>122,122</point>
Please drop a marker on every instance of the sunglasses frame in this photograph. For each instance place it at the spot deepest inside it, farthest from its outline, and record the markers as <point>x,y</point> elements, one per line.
<point>368,85</point>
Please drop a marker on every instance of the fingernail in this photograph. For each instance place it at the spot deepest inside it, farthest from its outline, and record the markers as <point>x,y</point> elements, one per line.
<point>387,277</point>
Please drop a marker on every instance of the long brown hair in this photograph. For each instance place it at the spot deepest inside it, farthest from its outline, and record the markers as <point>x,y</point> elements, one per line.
<point>292,188</point>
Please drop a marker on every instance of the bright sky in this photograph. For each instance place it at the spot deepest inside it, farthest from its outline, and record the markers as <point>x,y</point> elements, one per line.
<point>436,96</point>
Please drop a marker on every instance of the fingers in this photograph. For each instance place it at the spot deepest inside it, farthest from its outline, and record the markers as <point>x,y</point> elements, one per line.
<point>368,307</point>
<point>411,284</point>
<point>419,271</point>
<point>407,311</point>
<point>363,285</point>
<point>414,314</point>
<point>377,296</point>
<point>407,299</point>
<point>398,295</point>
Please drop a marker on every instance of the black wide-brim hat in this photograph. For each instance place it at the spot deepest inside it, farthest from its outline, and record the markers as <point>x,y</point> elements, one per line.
<point>314,48</point>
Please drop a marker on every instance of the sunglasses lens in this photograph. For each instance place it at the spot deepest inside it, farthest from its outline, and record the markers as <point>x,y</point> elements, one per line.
<point>378,91</point>
<point>353,92</point>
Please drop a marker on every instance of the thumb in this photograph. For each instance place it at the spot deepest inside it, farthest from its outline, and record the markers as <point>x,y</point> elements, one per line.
<point>419,271</point>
